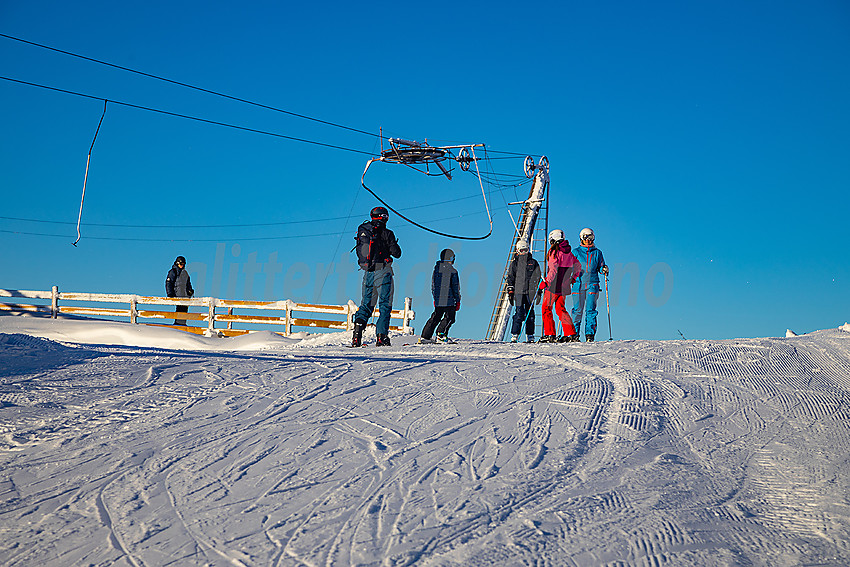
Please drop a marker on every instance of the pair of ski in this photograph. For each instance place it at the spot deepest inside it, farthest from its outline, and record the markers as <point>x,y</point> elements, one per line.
<point>446,341</point>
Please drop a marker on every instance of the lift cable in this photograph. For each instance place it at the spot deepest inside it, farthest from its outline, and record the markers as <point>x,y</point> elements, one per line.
<point>255,238</point>
<point>244,225</point>
<point>188,86</point>
<point>177,115</point>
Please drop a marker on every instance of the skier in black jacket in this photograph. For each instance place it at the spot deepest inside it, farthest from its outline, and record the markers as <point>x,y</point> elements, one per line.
<point>522,280</point>
<point>376,247</point>
<point>178,284</point>
<point>445,287</point>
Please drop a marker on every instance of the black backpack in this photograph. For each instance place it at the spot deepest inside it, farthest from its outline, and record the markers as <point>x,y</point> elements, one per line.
<point>366,238</point>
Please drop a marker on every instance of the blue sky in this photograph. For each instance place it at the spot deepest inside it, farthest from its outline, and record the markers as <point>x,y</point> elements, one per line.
<point>706,144</point>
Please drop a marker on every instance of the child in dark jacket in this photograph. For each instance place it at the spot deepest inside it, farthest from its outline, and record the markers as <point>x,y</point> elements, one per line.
<point>445,287</point>
<point>523,277</point>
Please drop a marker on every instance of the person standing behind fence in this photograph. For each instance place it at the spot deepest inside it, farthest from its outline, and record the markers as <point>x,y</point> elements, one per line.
<point>376,247</point>
<point>445,287</point>
<point>563,268</point>
<point>586,288</point>
<point>178,284</point>
<point>523,277</point>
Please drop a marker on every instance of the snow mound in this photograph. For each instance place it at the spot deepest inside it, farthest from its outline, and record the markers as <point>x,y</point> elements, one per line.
<point>845,327</point>
<point>125,334</point>
<point>82,331</point>
<point>789,333</point>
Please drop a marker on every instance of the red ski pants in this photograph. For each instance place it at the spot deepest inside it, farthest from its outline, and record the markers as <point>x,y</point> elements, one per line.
<point>549,328</point>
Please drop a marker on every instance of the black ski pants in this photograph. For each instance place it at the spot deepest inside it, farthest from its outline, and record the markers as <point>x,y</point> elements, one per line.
<point>445,316</point>
<point>524,307</point>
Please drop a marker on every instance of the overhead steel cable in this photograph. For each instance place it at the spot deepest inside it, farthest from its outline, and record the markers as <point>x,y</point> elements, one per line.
<point>239,225</point>
<point>188,86</point>
<point>508,155</point>
<point>186,116</point>
<point>254,238</point>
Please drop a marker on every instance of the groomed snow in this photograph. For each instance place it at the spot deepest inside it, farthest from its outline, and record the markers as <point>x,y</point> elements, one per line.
<point>129,445</point>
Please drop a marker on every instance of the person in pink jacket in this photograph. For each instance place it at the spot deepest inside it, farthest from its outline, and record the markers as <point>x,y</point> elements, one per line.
<point>562,270</point>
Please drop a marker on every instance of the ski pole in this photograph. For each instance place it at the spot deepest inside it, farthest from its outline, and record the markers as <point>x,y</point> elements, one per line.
<point>530,308</point>
<point>608,309</point>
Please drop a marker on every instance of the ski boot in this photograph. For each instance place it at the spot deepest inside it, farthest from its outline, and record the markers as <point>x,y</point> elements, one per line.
<point>589,338</point>
<point>444,338</point>
<point>568,339</point>
<point>514,338</point>
<point>357,336</point>
<point>383,340</point>
<point>424,341</point>
<point>529,339</point>
<point>548,339</point>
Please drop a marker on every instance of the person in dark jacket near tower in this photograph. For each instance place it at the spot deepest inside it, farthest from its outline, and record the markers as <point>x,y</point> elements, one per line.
<point>445,287</point>
<point>523,277</point>
<point>178,284</point>
<point>376,247</point>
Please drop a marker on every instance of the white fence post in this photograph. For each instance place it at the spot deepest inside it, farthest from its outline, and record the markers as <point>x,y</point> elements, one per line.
<point>405,325</point>
<point>134,311</point>
<point>211,323</point>
<point>54,301</point>
<point>351,309</point>
<point>288,326</point>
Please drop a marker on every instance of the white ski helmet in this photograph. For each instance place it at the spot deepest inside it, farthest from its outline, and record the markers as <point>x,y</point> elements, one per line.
<point>586,234</point>
<point>556,235</point>
<point>521,247</point>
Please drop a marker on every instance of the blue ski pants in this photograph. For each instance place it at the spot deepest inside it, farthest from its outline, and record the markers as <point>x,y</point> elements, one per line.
<point>584,301</point>
<point>377,288</point>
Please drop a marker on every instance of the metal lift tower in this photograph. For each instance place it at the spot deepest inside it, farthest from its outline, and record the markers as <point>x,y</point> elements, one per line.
<point>532,228</point>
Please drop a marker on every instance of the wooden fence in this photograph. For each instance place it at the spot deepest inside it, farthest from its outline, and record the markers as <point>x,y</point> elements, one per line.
<point>142,310</point>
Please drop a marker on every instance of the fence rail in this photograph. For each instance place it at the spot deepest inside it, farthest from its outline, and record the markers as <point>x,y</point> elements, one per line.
<point>275,314</point>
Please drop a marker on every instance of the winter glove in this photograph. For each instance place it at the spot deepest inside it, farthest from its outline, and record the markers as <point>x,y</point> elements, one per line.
<point>457,305</point>
<point>510,291</point>
<point>543,285</point>
<point>539,297</point>
<point>605,270</point>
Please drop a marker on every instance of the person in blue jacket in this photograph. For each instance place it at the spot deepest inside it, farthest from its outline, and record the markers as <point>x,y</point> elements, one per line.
<point>445,287</point>
<point>585,290</point>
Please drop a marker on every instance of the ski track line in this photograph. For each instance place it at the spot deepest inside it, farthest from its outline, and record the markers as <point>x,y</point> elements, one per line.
<point>202,543</point>
<point>106,518</point>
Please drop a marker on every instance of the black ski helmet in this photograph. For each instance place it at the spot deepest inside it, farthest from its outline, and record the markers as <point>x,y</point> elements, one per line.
<point>379,213</point>
<point>447,255</point>
<point>180,260</point>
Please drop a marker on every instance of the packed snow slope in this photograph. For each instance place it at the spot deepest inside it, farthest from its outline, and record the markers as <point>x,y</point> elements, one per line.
<point>269,451</point>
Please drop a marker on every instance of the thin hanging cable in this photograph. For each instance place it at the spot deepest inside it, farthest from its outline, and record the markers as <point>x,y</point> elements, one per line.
<point>432,231</point>
<point>188,86</point>
<point>339,241</point>
<point>242,225</point>
<point>176,115</point>
<point>501,192</point>
<point>86,177</point>
<point>257,238</point>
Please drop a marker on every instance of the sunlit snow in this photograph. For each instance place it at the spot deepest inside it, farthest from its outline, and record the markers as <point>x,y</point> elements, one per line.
<point>131,445</point>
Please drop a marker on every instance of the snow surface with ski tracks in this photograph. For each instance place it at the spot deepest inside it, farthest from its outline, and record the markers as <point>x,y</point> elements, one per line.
<point>123,445</point>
